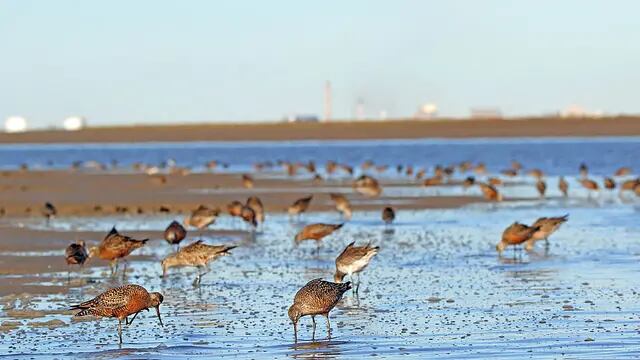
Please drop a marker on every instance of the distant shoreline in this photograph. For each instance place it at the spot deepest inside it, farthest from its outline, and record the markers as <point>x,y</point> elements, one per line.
<point>360,130</point>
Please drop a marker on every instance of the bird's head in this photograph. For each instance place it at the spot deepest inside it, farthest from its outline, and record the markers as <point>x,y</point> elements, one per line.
<point>294,314</point>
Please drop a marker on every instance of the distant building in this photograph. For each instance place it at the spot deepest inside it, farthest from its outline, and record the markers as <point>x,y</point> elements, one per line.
<point>426,112</point>
<point>486,113</point>
<point>74,123</point>
<point>294,118</point>
<point>15,124</point>
<point>573,111</point>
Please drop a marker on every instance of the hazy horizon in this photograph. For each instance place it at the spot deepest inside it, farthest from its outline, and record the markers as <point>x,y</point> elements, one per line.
<point>123,62</point>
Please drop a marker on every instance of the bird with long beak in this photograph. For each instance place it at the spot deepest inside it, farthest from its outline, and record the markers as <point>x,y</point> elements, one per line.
<point>316,232</point>
<point>120,303</point>
<point>547,225</point>
<point>317,297</point>
<point>563,185</point>
<point>197,254</point>
<point>342,205</point>
<point>515,234</point>
<point>353,260</point>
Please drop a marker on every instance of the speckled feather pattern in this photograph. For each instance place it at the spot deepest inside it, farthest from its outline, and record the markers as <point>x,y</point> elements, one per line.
<point>319,296</point>
<point>117,302</point>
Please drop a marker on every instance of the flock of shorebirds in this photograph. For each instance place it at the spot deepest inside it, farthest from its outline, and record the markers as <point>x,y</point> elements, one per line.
<point>317,297</point>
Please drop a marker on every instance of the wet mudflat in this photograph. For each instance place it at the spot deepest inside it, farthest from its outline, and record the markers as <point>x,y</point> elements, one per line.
<point>436,289</point>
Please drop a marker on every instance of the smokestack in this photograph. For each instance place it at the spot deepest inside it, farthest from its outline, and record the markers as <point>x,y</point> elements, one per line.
<point>360,109</point>
<point>327,101</point>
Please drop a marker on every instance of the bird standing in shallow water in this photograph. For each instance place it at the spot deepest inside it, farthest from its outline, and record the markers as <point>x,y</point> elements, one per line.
<point>342,205</point>
<point>249,216</point>
<point>353,260</point>
<point>120,303</point>
<point>300,206</point>
<point>75,254</point>
<point>255,204</point>
<point>609,183</point>
<point>116,246</point>
<point>49,211</point>
<point>388,215</point>
<point>563,185</point>
<point>490,192</point>
<point>175,233</point>
<point>541,186</point>
<point>514,235</point>
<point>202,217</point>
<point>316,232</point>
<point>197,254</point>
<point>547,226</point>
<point>317,297</point>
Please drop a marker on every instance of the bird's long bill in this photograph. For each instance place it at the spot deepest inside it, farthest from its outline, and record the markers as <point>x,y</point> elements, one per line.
<point>295,332</point>
<point>159,318</point>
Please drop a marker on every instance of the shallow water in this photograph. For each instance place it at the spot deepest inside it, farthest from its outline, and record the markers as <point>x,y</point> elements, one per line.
<point>436,289</point>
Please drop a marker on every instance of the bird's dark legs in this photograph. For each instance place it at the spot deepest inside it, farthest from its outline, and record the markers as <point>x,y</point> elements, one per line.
<point>358,284</point>
<point>120,330</point>
<point>313,334</point>
<point>127,322</point>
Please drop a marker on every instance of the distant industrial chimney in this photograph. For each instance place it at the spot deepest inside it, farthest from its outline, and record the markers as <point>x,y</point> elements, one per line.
<point>327,101</point>
<point>360,109</point>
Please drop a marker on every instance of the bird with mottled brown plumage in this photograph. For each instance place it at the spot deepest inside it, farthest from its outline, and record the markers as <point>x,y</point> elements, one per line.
<point>202,217</point>
<point>300,206</point>
<point>563,185</point>
<point>433,181</point>
<point>317,297</point>
<point>197,254</point>
<point>234,208</point>
<point>120,303</point>
<point>590,185</point>
<point>609,183</point>
<point>248,215</point>
<point>175,233</point>
<point>116,246</point>
<point>536,173</point>
<point>490,192</point>
<point>75,254</point>
<point>547,226</point>
<point>388,215</point>
<point>367,186</point>
<point>353,260</point>
<point>629,184</point>
<point>515,234</point>
<point>247,181</point>
<point>316,232</point>
<point>255,204</point>
<point>541,186</point>
<point>49,211</point>
<point>343,205</point>
<point>468,182</point>
<point>623,171</point>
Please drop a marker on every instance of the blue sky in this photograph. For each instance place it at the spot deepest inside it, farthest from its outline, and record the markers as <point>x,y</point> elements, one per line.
<point>141,61</point>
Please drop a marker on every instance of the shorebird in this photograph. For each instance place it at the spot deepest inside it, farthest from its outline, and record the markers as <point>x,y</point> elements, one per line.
<point>629,184</point>
<point>590,185</point>
<point>516,165</point>
<point>509,172</point>
<point>75,254</point>
<point>330,167</point>
<point>547,226</point>
<point>495,181</point>
<point>300,206</point>
<point>247,181</point>
<point>175,233</point>
<point>114,247</point>
<point>120,303</point>
<point>541,186</point>
<point>468,182</point>
<point>563,185</point>
<point>316,232</point>
<point>420,174</point>
<point>255,204</point>
<point>388,215</point>
<point>49,211</point>
<point>249,216</point>
<point>317,179</point>
<point>514,235</point>
<point>433,181</point>
<point>480,169</point>
<point>234,208</point>
<point>609,183</point>
<point>536,173</point>
<point>197,254</point>
<point>623,171</point>
<point>490,192</point>
<point>353,260</point>
<point>342,205</point>
<point>317,297</point>
<point>202,217</point>
<point>584,170</point>
<point>367,186</point>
